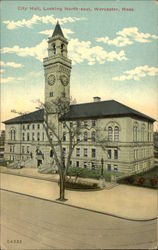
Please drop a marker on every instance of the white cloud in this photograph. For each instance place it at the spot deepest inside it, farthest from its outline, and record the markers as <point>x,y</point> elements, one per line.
<point>127,36</point>
<point>137,73</point>
<point>10,64</point>
<point>39,51</point>
<point>11,79</point>
<point>79,51</point>
<point>66,32</point>
<point>11,25</point>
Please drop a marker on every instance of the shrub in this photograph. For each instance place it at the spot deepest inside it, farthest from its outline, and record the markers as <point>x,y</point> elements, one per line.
<point>140,180</point>
<point>153,182</point>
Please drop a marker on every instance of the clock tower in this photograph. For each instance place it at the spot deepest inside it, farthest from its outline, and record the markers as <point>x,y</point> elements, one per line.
<point>57,67</point>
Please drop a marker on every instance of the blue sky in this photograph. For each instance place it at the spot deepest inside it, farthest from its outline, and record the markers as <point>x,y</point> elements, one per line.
<point>114,52</point>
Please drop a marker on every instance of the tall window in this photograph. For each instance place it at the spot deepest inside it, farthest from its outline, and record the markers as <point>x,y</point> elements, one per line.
<point>110,133</point>
<point>85,136</point>
<point>93,152</point>
<point>62,49</point>
<point>116,133</point>
<point>77,151</point>
<point>135,132</point>
<point>64,136</point>
<point>51,153</point>
<point>38,136</point>
<point>33,136</point>
<point>13,134</point>
<point>85,152</point>
<point>28,150</point>
<point>54,48</point>
<point>109,154</point>
<point>93,123</point>
<point>93,135</point>
<point>115,154</point>
<point>143,133</point>
<point>79,137</point>
<point>85,124</point>
<point>28,136</point>
<point>23,136</point>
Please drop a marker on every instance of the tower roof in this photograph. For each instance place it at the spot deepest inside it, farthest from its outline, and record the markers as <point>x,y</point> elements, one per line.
<point>57,30</point>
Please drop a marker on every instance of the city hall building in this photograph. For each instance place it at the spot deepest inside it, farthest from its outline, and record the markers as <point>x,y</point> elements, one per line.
<point>129,133</point>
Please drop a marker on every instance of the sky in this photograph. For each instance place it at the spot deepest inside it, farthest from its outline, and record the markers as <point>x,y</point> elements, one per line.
<point>113,46</point>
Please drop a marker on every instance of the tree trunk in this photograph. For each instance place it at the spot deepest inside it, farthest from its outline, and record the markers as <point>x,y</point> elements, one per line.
<point>62,187</point>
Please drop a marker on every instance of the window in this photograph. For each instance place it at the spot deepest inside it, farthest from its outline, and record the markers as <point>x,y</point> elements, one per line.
<point>28,150</point>
<point>33,136</point>
<point>93,135</point>
<point>64,136</point>
<point>64,124</point>
<point>77,151</point>
<point>116,168</point>
<point>85,124</point>
<point>13,134</point>
<point>77,164</point>
<point>109,154</point>
<point>115,154</point>
<point>28,136</point>
<point>43,136</point>
<point>38,126</point>
<point>79,137</point>
<point>51,136</point>
<point>93,123</point>
<point>116,133</point>
<point>85,164</point>
<point>143,133</point>
<point>135,133</point>
<point>51,153</point>
<point>85,152</point>
<point>23,127</point>
<point>23,136</point>
<point>71,124</point>
<point>38,136</point>
<point>71,163</point>
<point>23,149</point>
<point>64,151</point>
<point>62,49</point>
<point>136,154</point>
<point>110,133</point>
<point>93,153</point>
<point>50,94</point>
<point>11,148</point>
<point>93,165</point>
<point>85,136</point>
<point>54,49</point>
<point>28,126</point>
<point>33,126</point>
<point>109,167</point>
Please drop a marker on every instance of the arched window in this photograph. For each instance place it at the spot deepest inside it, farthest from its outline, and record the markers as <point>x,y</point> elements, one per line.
<point>64,136</point>
<point>85,136</point>
<point>12,134</point>
<point>62,49</point>
<point>110,133</point>
<point>116,133</point>
<point>135,132</point>
<point>143,133</point>
<point>51,153</point>
<point>54,48</point>
<point>93,135</point>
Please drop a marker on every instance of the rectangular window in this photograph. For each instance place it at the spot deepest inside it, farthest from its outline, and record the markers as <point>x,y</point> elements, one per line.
<point>28,136</point>
<point>50,94</point>
<point>85,165</point>
<point>38,126</point>
<point>115,154</point>
<point>28,150</point>
<point>93,165</point>
<point>10,148</point>
<point>109,167</point>
<point>85,124</point>
<point>23,149</point>
<point>93,123</point>
<point>109,154</point>
<point>64,136</point>
<point>115,168</point>
<point>33,136</point>
<point>77,164</point>
<point>43,136</point>
<point>85,152</point>
<point>23,136</point>
<point>38,136</point>
<point>23,127</point>
<point>64,151</point>
<point>93,153</point>
<point>77,151</point>
<point>28,126</point>
<point>33,126</point>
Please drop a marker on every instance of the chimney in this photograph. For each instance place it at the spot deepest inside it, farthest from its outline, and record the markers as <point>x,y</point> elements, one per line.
<point>96,99</point>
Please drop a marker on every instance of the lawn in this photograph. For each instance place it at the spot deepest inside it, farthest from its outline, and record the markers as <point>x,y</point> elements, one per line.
<point>145,179</point>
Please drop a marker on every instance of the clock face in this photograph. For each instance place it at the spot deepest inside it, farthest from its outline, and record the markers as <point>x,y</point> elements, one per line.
<point>64,80</point>
<point>51,79</point>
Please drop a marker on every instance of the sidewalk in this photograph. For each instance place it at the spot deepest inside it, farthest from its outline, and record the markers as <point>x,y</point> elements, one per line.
<point>122,201</point>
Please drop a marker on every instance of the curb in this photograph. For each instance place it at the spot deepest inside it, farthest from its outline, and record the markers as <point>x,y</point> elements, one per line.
<point>82,208</point>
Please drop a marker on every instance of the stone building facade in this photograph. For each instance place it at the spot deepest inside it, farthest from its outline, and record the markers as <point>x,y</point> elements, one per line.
<point>128,133</point>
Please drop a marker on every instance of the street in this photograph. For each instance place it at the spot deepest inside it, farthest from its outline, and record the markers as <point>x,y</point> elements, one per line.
<point>32,223</point>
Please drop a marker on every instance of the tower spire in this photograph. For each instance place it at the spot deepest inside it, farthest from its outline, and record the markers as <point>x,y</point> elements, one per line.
<point>58,30</point>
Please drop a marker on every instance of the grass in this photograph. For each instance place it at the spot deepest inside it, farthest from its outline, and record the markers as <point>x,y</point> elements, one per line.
<point>92,174</point>
<point>145,179</point>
